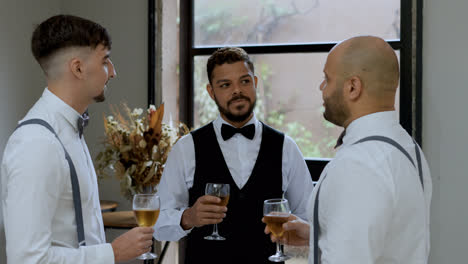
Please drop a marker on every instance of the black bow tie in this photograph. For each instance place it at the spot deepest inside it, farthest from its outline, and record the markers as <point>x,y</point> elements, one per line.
<point>339,141</point>
<point>228,131</point>
<point>82,122</point>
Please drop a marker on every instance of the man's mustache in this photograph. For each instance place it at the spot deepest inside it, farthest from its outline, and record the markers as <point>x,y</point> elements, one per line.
<point>237,98</point>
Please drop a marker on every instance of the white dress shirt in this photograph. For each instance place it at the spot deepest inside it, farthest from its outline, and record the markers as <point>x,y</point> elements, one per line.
<point>37,199</point>
<point>372,209</point>
<point>240,155</point>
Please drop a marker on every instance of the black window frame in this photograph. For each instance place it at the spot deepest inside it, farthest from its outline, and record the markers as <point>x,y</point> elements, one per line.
<point>409,45</point>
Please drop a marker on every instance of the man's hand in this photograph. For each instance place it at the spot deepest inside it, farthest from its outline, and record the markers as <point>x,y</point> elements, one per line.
<point>205,211</point>
<point>296,232</point>
<point>132,243</point>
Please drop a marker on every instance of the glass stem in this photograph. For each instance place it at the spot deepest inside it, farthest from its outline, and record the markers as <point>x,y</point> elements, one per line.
<point>279,252</point>
<point>215,229</point>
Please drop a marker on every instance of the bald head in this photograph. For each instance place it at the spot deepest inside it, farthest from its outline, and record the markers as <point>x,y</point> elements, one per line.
<point>371,59</point>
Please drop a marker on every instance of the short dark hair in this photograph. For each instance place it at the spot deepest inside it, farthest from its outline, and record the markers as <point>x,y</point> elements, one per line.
<point>227,55</point>
<point>64,31</point>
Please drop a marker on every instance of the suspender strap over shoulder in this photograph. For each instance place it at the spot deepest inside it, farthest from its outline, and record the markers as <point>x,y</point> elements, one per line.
<point>389,141</point>
<point>400,148</point>
<point>371,138</point>
<point>74,180</point>
<point>418,159</point>
<point>316,224</point>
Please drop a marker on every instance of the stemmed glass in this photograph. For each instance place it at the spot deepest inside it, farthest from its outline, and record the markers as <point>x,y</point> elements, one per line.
<point>146,209</point>
<point>276,212</point>
<point>220,190</point>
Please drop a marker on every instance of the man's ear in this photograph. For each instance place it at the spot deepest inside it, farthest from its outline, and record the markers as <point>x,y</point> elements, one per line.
<point>256,81</point>
<point>210,91</point>
<point>76,68</point>
<point>353,88</point>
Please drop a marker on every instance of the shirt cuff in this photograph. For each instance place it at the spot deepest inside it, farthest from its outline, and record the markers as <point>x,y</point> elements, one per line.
<point>181,232</point>
<point>104,253</point>
<point>168,227</point>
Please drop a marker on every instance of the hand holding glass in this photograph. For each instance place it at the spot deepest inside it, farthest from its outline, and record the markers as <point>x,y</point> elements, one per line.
<point>222,191</point>
<point>276,212</point>
<point>146,209</point>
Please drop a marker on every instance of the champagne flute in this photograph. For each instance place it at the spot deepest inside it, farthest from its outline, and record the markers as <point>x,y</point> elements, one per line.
<point>276,212</point>
<point>146,209</point>
<point>220,190</point>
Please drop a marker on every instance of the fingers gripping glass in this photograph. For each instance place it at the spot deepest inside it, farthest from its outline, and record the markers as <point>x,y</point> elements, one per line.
<point>146,209</point>
<point>276,212</point>
<point>222,191</point>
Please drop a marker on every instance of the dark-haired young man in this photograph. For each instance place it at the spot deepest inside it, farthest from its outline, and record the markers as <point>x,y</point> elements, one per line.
<point>258,163</point>
<point>47,178</point>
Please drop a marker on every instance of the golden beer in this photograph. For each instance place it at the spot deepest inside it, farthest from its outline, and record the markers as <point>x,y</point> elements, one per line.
<point>275,223</point>
<point>224,200</point>
<point>276,212</point>
<point>146,217</point>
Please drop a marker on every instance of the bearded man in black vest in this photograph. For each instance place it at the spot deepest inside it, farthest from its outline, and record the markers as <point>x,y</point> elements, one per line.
<point>257,161</point>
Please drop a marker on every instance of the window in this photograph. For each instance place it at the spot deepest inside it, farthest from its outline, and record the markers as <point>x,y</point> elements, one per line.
<point>289,41</point>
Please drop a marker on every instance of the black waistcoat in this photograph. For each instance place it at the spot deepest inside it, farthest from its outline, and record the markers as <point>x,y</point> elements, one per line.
<point>242,227</point>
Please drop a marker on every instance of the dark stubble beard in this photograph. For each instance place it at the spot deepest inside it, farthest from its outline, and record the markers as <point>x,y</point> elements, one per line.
<point>100,98</point>
<point>336,111</point>
<point>233,117</point>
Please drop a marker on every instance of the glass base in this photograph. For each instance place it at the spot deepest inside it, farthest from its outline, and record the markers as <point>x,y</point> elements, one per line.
<point>278,257</point>
<point>147,255</point>
<point>215,237</point>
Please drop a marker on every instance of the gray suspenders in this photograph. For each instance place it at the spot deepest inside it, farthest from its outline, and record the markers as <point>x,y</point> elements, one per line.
<point>371,138</point>
<point>74,181</point>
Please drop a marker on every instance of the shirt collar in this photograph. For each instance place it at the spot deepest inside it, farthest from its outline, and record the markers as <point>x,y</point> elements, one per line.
<point>61,108</point>
<point>370,125</point>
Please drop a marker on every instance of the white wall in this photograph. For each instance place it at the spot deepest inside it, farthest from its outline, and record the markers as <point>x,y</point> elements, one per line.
<point>21,80</point>
<point>445,126</point>
<point>170,59</point>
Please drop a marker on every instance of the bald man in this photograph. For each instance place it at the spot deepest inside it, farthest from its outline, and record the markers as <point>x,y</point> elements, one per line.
<point>371,204</point>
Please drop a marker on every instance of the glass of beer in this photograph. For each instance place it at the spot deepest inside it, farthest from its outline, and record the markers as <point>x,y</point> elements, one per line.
<point>220,190</point>
<point>276,212</point>
<point>146,210</point>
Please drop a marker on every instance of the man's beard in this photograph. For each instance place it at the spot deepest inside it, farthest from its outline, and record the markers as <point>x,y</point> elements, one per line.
<point>233,117</point>
<point>336,111</point>
<point>101,97</point>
